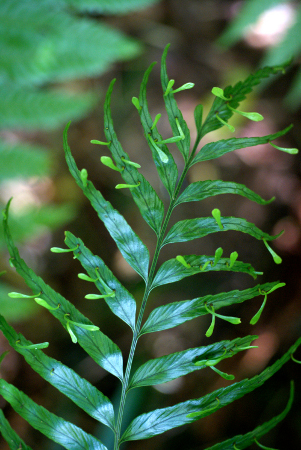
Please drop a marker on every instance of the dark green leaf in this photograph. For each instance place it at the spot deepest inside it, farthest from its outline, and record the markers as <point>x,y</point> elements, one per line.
<point>244,441</point>
<point>187,230</point>
<point>169,367</point>
<point>168,171</point>
<point>173,111</point>
<point>173,314</point>
<point>129,244</point>
<point>110,6</point>
<point>161,420</point>
<point>237,93</point>
<point>203,189</point>
<point>11,437</point>
<point>198,117</point>
<point>148,202</point>
<point>96,344</point>
<point>80,391</point>
<point>172,270</point>
<point>216,149</point>
<point>58,430</point>
<point>123,304</point>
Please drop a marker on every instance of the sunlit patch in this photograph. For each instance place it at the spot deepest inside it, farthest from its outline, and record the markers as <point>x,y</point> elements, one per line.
<point>271,26</point>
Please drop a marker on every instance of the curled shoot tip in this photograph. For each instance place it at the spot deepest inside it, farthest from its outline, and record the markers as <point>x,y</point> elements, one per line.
<point>43,303</point>
<point>218,92</point>
<point>136,103</point>
<point>256,117</point>
<point>63,250</point>
<point>217,256</point>
<point>217,216</point>
<point>276,258</point>
<point>291,151</point>
<point>162,155</point>
<point>200,413</point>
<point>233,258</point>
<point>130,163</point>
<point>97,296</point>
<point>169,86</point>
<point>224,375</point>
<point>95,141</point>
<point>107,161</point>
<point>231,128</point>
<point>126,186</point>
<point>17,295</point>
<point>181,260</point>
<point>183,87</point>
<point>32,346</point>
<point>156,121</point>
<point>263,446</point>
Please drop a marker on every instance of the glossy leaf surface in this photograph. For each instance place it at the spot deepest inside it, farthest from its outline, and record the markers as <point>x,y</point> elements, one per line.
<point>173,314</point>
<point>216,149</point>
<point>10,436</point>
<point>160,420</point>
<point>123,303</point>
<point>187,230</point>
<point>168,172</point>
<point>80,391</point>
<point>96,344</point>
<point>129,244</point>
<point>57,429</point>
<point>146,198</point>
<point>169,367</point>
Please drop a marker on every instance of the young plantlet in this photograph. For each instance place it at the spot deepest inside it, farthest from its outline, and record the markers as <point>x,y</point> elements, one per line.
<point>130,163</point>
<point>218,92</point>
<point>182,135</point>
<point>18,295</point>
<point>183,87</point>
<point>43,303</point>
<point>156,121</point>
<point>217,256</point>
<point>32,346</point>
<point>95,141</point>
<point>182,261</point>
<point>291,151</point>
<point>136,103</point>
<point>85,277</point>
<point>162,155</point>
<point>224,375</point>
<point>107,161</point>
<point>84,176</point>
<point>256,117</point>
<point>256,317</point>
<point>63,250</point>
<point>203,268</point>
<point>295,360</point>
<point>233,320</point>
<point>77,324</point>
<point>106,288</point>
<point>233,258</point>
<point>217,216</point>
<point>127,186</point>
<point>276,258</point>
<point>231,128</point>
<point>97,296</point>
<point>169,86</point>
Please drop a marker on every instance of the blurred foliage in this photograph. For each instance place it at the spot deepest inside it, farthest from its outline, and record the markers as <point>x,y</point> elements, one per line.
<point>288,47</point>
<point>45,44</point>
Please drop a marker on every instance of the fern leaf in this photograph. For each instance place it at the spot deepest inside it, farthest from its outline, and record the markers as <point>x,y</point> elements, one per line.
<point>123,303</point>
<point>80,391</point>
<point>10,436</point>
<point>173,314</point>
<point>110,6</point>
<point>175,365</point>
<point>96,344</point>
<point>161,420</point>
<point>148,202</point>
<point>130,245</point>
<point>59,430</point>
